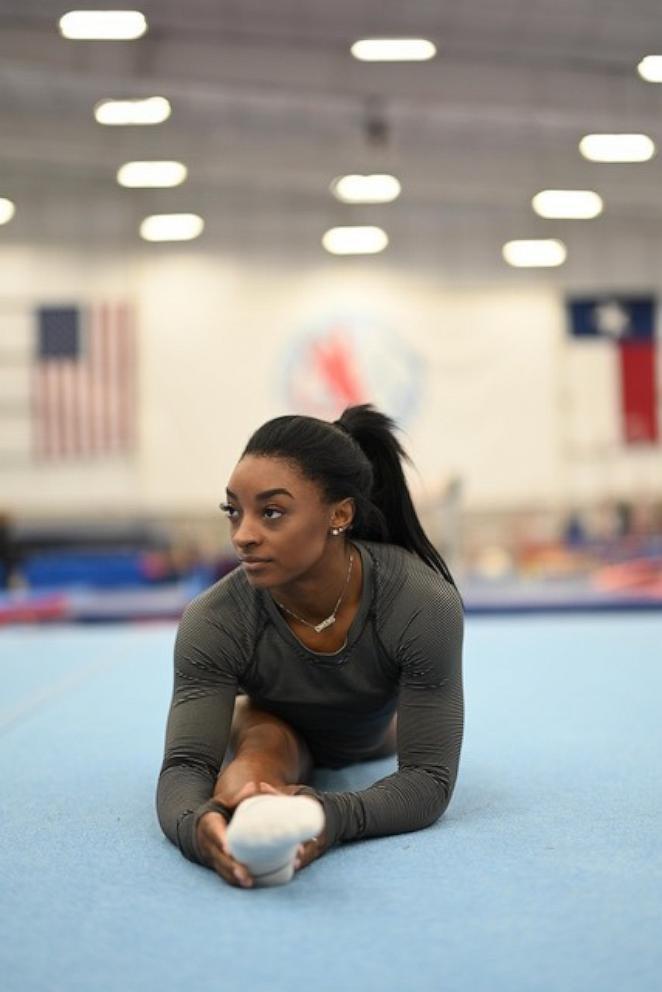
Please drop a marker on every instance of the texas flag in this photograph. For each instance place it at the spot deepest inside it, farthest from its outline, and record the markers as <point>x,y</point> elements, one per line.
<point>626,325</point>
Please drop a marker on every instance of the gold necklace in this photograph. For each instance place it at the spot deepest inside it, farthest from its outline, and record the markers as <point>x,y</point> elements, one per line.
<point>331,619</point>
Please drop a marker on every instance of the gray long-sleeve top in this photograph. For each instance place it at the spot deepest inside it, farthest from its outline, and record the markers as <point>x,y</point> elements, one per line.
<point>403,653</point>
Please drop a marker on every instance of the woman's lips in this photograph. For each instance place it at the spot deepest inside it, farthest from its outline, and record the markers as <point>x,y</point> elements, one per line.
<point>254,565</point>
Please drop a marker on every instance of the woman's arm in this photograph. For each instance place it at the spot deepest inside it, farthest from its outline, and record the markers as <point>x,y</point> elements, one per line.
<point>198,726</point>
<point>430,727</point>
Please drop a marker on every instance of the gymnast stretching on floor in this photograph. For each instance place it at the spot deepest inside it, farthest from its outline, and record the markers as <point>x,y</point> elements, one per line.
<point>337,639</point>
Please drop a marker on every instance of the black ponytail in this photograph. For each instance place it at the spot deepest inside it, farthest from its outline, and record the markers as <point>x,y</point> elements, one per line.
<point>357,457</point>
<point>375,434</point>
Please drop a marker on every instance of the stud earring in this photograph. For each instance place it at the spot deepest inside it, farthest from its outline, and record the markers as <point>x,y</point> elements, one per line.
<point>337,530</point>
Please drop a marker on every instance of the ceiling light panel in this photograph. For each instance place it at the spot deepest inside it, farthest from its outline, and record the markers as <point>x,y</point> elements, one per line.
<point>171,227</point>
<point>567,204</point>
<point>103,25</point>
<point>366,240</point>
<point>376,188</point>
<point>153,110</point>
<point>650,68</point>
<point>144,174</point>
<point>393,50</point>
<point>538,253</point>
<point>617,147</point>
<point>7,210</point>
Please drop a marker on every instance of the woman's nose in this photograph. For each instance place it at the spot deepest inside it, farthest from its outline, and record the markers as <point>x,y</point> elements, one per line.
<point>245,533</point>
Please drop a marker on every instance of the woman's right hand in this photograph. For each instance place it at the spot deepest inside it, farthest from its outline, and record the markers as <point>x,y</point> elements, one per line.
<point>211,842</point>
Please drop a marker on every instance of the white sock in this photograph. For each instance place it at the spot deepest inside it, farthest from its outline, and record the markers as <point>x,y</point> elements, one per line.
<point>266,830</point>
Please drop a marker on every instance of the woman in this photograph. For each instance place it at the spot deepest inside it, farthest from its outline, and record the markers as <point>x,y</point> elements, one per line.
<point>340,635</point>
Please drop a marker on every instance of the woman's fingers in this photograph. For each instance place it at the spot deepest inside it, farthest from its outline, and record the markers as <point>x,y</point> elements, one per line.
<point>305,854</point>
<point>265,787</point>
<point>216,854</point>
<point>242,875</point>
<point>234,871</point>
<point>248,790</point>
<point>284,790</point>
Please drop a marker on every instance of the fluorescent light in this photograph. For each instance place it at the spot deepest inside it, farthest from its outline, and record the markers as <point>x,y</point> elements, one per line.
<point>571,204</point>
<point>7,210</point>
<point>366,189</point>
<point>543,252</point>
<point>355,240</point>
<point>103,25</point>
<point>393,50</point>
<point>617,147</point>
<point>152,110</point>
<point>142,174</point>
<point>171,227</point>
<point>650,68</point>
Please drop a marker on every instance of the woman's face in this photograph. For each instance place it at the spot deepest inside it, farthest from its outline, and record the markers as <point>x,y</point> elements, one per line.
<point>279,521</point>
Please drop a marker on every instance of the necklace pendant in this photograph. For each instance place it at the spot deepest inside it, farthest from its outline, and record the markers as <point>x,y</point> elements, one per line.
<point>324,624</point>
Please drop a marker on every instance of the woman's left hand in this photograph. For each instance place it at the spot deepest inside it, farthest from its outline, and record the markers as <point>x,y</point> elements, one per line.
<point>311,849</point>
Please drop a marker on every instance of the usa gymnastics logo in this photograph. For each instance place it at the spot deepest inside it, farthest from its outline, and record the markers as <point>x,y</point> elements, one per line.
<point>349,360</point>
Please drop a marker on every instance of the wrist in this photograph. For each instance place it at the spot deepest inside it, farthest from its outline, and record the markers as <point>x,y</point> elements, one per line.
<point>211,806</point>
<point>208,816</point>
<point>331,833</point>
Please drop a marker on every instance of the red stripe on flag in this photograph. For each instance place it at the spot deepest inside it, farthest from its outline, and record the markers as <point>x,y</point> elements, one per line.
<point>47,411</point>
<point>104,381</point>
<point>94,373</point>
<point>124,376</point>
<point>38,415</point>
<point>115,380</point>
<point>638,391</point>
<point>84,412</point>
<point>57,393</point>
<point>79,410</point>
<point>70,406</point>
<point>50,412</point>
<point>64,370</point>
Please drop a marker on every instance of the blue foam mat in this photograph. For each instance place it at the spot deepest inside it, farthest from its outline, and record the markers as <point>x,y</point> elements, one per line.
<point>544,874</point>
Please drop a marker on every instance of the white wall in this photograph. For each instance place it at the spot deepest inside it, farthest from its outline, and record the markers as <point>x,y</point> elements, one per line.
<point>505,401</point>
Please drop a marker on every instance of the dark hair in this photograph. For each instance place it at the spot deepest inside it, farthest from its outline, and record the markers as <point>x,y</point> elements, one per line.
<point>357,456</point>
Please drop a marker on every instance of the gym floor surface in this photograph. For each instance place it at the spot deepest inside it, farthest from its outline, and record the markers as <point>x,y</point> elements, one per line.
<point>544,874</point>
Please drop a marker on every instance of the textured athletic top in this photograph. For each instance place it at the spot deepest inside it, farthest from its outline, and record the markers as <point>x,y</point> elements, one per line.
<point>403,653</point>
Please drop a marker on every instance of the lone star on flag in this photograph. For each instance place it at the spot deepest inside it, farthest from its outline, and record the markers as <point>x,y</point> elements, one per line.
<point>612,319</point>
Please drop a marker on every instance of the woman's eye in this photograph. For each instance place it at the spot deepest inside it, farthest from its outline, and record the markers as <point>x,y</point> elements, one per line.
<point>273,510</point>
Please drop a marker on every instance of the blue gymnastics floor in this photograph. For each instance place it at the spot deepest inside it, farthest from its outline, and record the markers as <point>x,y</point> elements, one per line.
<point>544,874</point>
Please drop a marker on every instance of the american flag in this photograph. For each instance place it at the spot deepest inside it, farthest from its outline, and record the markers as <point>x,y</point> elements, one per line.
<point>83,382</point>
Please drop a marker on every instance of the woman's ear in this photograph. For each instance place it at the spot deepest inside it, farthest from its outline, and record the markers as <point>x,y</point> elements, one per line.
<point>343,514</point>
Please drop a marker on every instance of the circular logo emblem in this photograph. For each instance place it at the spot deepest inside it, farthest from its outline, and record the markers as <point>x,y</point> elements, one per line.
<point>349,360</point>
